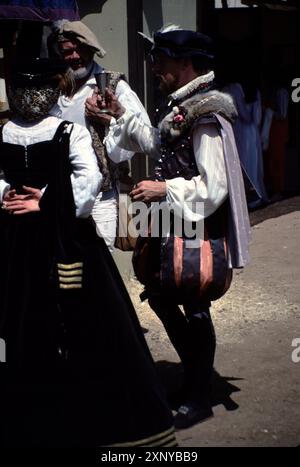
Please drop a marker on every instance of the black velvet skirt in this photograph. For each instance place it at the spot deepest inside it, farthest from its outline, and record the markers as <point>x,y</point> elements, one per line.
<point>78,371</point>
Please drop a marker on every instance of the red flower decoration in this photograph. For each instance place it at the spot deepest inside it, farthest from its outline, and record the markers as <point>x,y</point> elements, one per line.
<point>179,118</point>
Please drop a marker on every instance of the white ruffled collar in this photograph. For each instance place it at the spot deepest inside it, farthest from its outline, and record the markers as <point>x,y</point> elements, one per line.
<point>190,87</point>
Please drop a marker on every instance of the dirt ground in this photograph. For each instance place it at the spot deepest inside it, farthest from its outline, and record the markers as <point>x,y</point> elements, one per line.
<point>256,384</point>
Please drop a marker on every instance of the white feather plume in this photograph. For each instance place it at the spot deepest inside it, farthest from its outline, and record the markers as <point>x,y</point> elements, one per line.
<point>170,27</point>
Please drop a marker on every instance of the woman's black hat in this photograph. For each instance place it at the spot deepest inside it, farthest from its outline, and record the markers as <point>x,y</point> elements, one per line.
<point>31,72</point>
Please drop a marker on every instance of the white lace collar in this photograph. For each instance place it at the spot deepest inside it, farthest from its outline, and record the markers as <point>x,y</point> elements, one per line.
<point>190,87</point>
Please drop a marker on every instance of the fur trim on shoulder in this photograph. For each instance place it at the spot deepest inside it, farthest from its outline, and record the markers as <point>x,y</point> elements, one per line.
<point>183,117</point>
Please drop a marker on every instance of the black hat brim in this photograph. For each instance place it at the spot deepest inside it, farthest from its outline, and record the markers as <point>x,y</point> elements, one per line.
<point>181,43</point>
<point>37,71</point>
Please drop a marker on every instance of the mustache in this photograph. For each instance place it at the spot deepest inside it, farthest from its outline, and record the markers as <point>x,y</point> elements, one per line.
<point>76,61</point>
<point>82,71</point>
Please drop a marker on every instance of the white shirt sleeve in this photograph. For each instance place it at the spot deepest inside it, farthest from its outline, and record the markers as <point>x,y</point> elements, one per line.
<point>4,186</point>
<point>134,134</point>
<point>210,186</point>
<point>128,99</point>
<point>86,177</point>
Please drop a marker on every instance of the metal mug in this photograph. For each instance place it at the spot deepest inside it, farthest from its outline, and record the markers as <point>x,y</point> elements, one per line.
<point>102,80</point>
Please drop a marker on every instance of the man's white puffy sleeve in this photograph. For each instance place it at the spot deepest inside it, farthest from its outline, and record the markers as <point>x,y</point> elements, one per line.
<point>133,134</point>
<point>210,186</point>
<point>133,131</point>
<point>86,177</point>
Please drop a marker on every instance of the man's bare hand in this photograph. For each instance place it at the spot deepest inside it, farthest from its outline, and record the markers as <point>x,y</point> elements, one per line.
<point>113,105</point>
<point>148,191</point>
<point>101,110</point>
<point>93,109</point>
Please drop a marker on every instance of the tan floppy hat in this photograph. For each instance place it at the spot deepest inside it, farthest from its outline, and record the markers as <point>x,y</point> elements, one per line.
<point>79,31</point>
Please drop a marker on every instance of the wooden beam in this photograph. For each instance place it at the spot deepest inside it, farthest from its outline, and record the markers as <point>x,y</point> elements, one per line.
<point>136,72</point>
<point>204,15</point>
<point>135,47</point>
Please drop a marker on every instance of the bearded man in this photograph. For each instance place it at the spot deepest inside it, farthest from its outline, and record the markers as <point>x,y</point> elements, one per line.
<point>196,163</point>
<point>77,44</point>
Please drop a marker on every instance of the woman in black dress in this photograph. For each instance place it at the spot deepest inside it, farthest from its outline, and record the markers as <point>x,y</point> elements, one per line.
<point>78,372</point>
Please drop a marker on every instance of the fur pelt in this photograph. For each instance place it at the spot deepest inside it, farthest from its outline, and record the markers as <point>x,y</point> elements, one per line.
<point>200,105</point>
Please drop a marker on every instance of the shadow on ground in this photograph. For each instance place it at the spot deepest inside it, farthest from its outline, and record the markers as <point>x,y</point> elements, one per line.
<point>172,378</point>
<point>274,210</point>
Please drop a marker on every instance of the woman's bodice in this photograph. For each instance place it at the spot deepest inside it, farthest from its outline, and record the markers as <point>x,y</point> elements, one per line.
<point>30,164</point>
<point>27,165</point>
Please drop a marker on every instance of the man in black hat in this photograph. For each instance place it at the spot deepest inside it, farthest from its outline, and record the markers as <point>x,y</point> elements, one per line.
<point>197,162</point>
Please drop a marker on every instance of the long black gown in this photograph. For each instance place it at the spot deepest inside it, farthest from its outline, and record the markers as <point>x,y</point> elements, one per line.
<point>78,370</point>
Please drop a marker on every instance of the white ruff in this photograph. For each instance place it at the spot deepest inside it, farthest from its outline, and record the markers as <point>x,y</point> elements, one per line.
<point>190,87</point>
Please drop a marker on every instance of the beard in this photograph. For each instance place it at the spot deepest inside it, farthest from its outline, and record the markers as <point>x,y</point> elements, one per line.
<point>166,86</point>
<point>163,88</point>
<point>82,72</point>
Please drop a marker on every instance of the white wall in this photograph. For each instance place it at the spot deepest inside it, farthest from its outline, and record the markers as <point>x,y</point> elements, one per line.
<point>108,20</point>
<point>110,27</point>
<point>159,12</point>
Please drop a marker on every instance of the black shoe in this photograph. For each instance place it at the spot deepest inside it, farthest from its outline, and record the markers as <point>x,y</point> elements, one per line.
<point>176,399</point>
<point>189,414</point>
